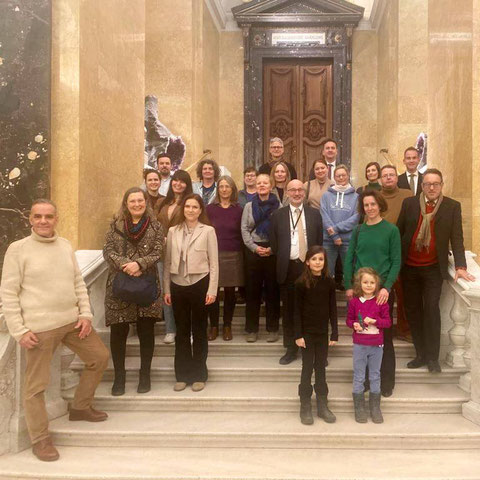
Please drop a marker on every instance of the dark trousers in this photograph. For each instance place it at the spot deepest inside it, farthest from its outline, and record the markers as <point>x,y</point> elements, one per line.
<point>261,272</point>
<point>229,302</point>
<point>287,291</point>
<point>118,343</point>
<point>387,371</point>
<point>422,287</point>
<point>190,314</point>
<point>314,356</point>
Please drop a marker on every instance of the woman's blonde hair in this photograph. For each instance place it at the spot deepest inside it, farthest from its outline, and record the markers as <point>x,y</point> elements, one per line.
<point>357,280</point>
<point>272,172</point>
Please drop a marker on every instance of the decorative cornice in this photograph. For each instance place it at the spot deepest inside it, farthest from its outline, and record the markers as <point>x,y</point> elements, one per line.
<point>378,10</point>
<point>218,13</point>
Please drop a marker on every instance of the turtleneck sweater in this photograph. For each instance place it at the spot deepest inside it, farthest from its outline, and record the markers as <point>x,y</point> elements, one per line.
<point>394,197</point>
<point>42,287</point>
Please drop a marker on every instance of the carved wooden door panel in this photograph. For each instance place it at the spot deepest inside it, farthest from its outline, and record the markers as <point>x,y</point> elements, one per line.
<point>298,109</point>
<point>315,114</point>
<point>281,108</point>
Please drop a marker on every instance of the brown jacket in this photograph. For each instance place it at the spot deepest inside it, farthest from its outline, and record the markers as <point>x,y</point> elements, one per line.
<point>147,252</point>
<point>202,255</point>
<point>162,216</point>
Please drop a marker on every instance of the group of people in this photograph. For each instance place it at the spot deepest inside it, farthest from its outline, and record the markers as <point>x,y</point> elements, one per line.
<point>175,246</point>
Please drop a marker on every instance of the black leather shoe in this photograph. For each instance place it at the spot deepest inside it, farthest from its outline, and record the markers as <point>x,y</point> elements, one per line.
<point>289,357</point>
<point>434,366</point>
<point>417,362</point>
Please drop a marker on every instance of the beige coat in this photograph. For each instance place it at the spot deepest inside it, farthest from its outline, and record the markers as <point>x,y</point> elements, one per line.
<point>202,255</point>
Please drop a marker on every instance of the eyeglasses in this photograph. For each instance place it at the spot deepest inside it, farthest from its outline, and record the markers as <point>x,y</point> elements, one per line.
<point>276,148</point>
<point>296,190</point>
<point>430,185</point>
<point>389,175</point>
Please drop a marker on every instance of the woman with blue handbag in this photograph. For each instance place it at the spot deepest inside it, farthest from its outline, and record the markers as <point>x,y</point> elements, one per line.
<point>133,246</point>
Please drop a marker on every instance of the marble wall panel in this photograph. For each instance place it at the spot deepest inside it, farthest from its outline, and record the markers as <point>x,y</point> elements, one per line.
<point>231,99</point>
<point>476,126</point>
<point>387,105</point>
<point>450,100</point>
<point>364,102</point>
<point>25,36</point>
<point>98,110</point>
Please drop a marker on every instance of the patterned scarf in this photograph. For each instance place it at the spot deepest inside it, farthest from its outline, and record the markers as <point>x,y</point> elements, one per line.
<point>135,232</point>
<point>261,211</point>
<point>424,234</point>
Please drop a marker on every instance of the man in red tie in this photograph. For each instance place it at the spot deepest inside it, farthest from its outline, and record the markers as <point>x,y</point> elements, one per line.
<point>428,223</point>
<point>330,154</point>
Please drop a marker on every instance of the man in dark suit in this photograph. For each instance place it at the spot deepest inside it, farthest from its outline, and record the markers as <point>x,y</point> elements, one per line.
<point>294,229</point>
<point>428,223</point>
<point>412,178</point>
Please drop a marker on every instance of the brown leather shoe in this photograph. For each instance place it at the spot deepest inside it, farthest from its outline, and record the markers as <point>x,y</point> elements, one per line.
<point>45,451</point>
<point>213,334</point>
<point>88,415</point>
<point>227,333</point>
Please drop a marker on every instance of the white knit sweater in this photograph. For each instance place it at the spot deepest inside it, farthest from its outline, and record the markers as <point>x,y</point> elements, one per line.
<point>42,287</point>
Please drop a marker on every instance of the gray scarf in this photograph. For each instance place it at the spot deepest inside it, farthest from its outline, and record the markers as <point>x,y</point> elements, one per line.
<point>424,234</point>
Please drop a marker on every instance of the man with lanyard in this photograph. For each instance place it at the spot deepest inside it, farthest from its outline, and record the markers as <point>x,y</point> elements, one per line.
<point>294,229</point>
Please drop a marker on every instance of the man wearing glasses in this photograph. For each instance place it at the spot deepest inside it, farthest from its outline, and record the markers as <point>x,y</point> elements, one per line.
<point>294,229</point>
<point>276,155</point>
<point>428,223</point>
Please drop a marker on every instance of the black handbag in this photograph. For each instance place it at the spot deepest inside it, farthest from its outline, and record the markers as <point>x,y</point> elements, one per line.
<point>140,290</point>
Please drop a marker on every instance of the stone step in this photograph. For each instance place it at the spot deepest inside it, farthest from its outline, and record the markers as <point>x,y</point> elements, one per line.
<point>238,347</point>
<point>273,430</point>
<point>267,369</point>
<point>272,397</point>
<point>238,327</point>
<point>149,463</point>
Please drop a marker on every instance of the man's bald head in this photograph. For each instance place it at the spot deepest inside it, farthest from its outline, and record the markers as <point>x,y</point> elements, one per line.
<point>295,192</point>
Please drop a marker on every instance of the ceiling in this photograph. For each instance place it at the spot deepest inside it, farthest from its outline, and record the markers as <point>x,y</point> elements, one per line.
<point>222,12</point>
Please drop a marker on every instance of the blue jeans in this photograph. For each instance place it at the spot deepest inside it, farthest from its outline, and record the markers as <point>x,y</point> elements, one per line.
<point>167,309</point>
<point>364,355</point>
<point>333,251</point>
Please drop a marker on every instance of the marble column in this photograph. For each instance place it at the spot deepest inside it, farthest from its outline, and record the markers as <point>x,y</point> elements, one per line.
<point>25,35</point>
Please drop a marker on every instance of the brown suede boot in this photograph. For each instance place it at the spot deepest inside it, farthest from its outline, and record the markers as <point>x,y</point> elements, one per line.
<point>45,451</point>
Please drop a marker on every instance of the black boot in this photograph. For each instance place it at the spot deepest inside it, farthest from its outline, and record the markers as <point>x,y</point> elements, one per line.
<point>375,412</point>
<point>144,384</point>
<point>305,394</point>
<point>118,387</point>
<point>359,405</point>
<point>306,411</point>
<point>323,411</point>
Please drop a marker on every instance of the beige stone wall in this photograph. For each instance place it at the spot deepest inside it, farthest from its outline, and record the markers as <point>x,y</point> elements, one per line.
<point>387,106</point>
<point>231,104</point>
<point>450,99</point>
<point>98,78</point>
<point>364,102</point>
<point>476,127</point>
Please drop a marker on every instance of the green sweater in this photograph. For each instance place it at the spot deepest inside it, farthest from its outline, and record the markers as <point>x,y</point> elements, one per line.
<point>376,246</point>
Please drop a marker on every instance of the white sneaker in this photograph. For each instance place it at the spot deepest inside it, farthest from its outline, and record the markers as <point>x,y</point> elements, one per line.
<point>169,338</point>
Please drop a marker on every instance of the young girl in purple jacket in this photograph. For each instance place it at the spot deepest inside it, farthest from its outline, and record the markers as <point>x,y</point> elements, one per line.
<point>368,319</point>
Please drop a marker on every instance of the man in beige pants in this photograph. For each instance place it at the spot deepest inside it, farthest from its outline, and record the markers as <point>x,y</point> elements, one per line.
<point>45,303</point>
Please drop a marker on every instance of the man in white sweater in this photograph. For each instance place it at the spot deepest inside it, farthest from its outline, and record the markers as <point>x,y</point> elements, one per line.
<point>45,303</point>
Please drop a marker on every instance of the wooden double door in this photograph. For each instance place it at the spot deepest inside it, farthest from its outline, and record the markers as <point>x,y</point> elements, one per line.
<point>297,100</point>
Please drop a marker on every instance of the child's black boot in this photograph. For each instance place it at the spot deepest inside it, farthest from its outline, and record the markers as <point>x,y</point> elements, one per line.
<point>359,404</point>
<point>323,411</point>
<point>305,394</point>
<point>375,412</point>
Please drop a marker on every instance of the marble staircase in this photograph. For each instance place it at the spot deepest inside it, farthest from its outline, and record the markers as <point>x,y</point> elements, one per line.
<point>245,424</point>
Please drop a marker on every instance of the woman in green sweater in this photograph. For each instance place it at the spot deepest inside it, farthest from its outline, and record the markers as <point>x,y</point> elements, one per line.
<point>376,244</point>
